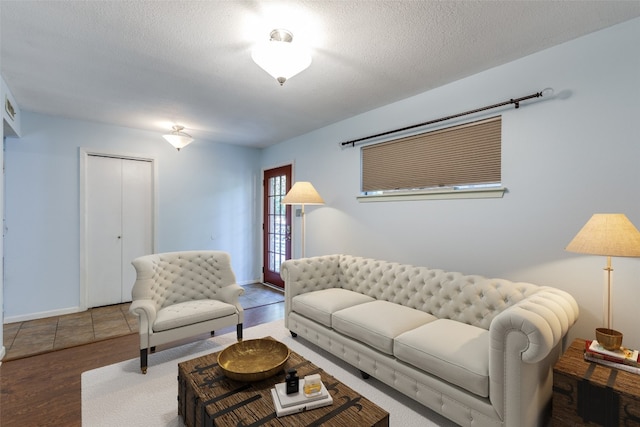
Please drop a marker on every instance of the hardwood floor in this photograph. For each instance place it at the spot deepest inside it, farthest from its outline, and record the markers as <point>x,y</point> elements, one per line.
<point>44,390</point>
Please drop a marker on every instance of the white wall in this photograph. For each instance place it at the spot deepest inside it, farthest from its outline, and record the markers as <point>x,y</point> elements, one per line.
<point>563,160</point>
<point>208,199</point>
<point>2,348</point>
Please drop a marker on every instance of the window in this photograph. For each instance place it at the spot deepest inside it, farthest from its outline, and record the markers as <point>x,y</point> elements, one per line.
<point>463,159</point>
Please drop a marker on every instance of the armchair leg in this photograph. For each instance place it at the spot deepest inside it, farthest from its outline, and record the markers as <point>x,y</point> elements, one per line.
<point>213,333</point>
<point>153,349</point>
<point>239,331</point>
<point>143,360</point>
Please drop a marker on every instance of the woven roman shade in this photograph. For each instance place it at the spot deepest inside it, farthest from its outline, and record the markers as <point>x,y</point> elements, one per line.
<point>460,155</point>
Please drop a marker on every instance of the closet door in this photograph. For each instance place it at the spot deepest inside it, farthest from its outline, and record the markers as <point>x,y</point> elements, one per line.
<point>104,230</point>
<point>137,219</point>
<point>119,225</point>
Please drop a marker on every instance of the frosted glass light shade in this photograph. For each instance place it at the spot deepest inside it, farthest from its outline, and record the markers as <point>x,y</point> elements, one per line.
<point>177,138</point>
<point>282,59</point>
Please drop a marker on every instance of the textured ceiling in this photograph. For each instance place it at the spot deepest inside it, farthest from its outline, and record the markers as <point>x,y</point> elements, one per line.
<point>149,64</point>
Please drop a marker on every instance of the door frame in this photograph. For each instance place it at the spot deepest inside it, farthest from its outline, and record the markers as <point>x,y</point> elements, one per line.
<point>263,254</point>
<point>84,157</point>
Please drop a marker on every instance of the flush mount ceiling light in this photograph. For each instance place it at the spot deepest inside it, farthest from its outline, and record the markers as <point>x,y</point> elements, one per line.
<point>280,57</point>
<point>177,138</point>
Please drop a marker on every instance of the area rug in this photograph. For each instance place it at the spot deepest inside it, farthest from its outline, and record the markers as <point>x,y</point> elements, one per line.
<point>120,395</point>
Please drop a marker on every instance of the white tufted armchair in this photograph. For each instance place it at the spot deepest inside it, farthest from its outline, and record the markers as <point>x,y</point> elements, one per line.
<point>182,294</point>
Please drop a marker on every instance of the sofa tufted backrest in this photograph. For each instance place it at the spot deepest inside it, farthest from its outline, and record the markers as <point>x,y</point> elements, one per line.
<point>173,277</point>
<point>470,299</point>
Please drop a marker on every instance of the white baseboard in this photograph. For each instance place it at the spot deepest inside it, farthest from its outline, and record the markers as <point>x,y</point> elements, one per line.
<point>42,315</point>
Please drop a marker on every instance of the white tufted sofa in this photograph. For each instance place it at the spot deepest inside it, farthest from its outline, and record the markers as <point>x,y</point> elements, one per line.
<point>478,351</point>
<point>183,294</point>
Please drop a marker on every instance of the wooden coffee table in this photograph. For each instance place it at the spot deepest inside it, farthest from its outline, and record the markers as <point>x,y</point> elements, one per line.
<point>207,398</point>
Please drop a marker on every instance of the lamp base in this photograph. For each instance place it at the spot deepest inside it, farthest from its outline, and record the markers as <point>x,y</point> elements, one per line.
<point>609,338</point>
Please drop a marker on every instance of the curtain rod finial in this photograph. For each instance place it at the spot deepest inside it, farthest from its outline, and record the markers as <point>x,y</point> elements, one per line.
<point>547,92</point>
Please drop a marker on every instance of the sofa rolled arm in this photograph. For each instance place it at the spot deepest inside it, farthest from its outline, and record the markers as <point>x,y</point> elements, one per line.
<point>543,318</point>
<point>307,275</point>
<point>231,295</point>
<point>525,341</point>
<point>539,332</point>
<point>145,309</point>
<point>310,274</point>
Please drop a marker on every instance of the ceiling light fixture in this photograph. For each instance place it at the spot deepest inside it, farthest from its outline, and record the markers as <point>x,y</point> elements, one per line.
<point>280,57</point>
<point>177,138</point>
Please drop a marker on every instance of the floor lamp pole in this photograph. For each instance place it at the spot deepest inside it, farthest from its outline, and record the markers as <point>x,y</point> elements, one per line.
<point>607,305</point>
<point>303,229</point>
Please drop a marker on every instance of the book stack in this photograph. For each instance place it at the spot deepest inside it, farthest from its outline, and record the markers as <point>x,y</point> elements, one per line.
<point>623,358</point>
<point>287,404</point>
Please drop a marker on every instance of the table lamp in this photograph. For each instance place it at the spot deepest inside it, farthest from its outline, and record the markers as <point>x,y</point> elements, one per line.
<point>608,235</point>
<point>302,193</point>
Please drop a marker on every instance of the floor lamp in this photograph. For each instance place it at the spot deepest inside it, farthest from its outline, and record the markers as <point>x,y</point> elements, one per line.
<point>302,193</point>
<point>608,235</point>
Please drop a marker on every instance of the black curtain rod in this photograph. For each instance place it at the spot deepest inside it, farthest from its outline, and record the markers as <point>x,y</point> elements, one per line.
<point>545,92</point>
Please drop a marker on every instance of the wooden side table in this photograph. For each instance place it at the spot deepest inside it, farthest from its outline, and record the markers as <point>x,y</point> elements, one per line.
<point>590,394</point>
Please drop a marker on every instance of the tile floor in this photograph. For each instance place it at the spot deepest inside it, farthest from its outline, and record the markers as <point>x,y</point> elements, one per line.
<point>258,294</point>
<point>32,337</point>
<point>23,339</point>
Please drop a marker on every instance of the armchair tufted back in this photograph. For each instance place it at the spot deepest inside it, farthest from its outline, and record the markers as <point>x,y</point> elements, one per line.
<point>174,277</point>
<point>470,299</point>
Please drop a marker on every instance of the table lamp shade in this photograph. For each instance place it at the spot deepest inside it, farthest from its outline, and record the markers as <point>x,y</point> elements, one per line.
<point>608,235</point>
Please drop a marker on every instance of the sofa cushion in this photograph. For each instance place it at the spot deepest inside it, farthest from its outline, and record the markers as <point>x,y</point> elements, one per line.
<point>454,351</point>
<point>377,323</point>
<point>320,305</point>
<point>190,312</point>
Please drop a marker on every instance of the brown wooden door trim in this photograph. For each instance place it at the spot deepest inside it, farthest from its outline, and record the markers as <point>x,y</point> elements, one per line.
<point>276,223</point>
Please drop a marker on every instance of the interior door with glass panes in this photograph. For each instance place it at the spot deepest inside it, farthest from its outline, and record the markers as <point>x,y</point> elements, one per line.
<point>276,223</point>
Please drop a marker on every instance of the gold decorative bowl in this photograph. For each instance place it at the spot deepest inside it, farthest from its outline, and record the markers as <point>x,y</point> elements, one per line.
<point>609,338</point>
<point>253,360</point>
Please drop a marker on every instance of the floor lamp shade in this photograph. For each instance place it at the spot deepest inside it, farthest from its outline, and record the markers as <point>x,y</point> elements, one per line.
<point>302,193</point>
